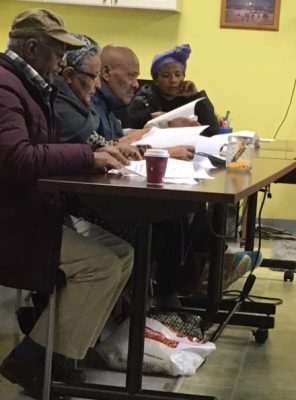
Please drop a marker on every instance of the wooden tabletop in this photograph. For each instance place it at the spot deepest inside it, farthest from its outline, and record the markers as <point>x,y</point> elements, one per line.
<point>285,149</point>
<point>227,187</point>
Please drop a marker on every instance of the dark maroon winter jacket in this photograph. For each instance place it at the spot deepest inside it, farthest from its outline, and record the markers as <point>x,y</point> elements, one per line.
<point>30,220</point>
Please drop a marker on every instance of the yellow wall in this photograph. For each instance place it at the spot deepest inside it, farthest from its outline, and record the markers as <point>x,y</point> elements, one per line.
<point>248,72</point>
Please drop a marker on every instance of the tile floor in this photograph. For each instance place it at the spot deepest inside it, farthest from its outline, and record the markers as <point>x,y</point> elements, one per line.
<point>240,369</point>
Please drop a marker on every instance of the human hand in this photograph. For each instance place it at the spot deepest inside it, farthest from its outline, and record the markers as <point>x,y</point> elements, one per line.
<point>187,89</point>
<point>108,157</point>
<point>185,153</point>
<point>133,136</point>
<point>129,152</point>
<point>182,122</point>
<point>104,161</point>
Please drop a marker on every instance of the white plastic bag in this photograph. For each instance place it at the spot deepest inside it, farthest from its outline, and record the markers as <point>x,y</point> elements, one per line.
<point>166,351</point>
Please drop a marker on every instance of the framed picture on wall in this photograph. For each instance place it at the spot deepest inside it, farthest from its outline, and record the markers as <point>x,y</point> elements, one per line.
<point>250,14</point>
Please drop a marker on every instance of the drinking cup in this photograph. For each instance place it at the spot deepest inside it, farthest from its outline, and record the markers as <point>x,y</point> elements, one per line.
<point>156,163</point>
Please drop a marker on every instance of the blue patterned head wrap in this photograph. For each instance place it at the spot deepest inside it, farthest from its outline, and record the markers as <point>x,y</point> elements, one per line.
<point>179,54</point>
<point>76,58</point>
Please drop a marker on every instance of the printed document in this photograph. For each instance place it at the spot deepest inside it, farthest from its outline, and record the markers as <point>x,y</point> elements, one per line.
<point>186,111</point>
<point>189,136</point>
<point>177,171</point>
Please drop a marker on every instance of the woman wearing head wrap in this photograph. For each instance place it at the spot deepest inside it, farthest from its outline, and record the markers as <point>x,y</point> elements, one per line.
<point>170,90</point>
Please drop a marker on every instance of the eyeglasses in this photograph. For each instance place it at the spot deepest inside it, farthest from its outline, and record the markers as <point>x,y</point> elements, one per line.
<point>93,77</point>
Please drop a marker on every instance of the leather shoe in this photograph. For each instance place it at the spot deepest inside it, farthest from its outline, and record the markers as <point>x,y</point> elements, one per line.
<point>30,374</point>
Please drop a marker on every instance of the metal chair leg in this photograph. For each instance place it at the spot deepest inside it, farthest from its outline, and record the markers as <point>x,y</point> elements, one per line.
<point>49,347</point>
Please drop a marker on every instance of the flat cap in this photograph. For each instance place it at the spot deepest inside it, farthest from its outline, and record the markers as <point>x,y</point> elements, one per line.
<point>39,21</point>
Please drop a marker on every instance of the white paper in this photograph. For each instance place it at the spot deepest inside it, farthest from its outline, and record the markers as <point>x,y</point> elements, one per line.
<point>186,111</point>
<point>170,137</point>
<point>203,162</point>
<point>176,169</point>
<point>189,136</point>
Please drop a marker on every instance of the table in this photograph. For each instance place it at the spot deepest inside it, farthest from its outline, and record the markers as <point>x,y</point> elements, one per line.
<point>226,188</point>
<point>284,149</point>
<point>279,149</point>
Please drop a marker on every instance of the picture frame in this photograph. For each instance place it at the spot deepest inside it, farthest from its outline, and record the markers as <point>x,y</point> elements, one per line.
<point>250,14</point>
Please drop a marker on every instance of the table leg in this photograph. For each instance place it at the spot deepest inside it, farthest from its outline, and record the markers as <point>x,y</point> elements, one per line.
<point>218,224</point>
<point>138,316</point>
<point>133,389</point>
<point>251,222</point>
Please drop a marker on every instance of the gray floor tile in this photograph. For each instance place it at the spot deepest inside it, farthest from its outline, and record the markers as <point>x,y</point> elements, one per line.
<point>240,368</point>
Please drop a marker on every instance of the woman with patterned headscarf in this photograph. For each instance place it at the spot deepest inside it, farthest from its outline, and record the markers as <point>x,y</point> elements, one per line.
<point>170,90</point>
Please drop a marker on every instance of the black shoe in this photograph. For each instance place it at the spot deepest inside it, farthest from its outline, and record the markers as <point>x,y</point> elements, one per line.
<point>30,375</point>
<point>63,370</point>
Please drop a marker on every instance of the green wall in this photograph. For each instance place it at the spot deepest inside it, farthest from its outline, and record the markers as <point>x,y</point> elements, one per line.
<point>248,72</point>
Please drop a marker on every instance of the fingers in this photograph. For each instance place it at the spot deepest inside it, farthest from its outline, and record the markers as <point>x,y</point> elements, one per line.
<point>135,154</point>
<point>115,153</point>
<point>189,154</point>
<point>130,152</point>
<point>185,153</point>
<point>188,88</point>
<point>104,161</point>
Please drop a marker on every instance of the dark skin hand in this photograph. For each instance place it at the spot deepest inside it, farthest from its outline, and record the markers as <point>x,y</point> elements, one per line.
<point>187,89</point>
<point>182,122</point>
<point>105,161</point>
<point>133,136</point>
<point>129,152</point>
<point>115,157</point>
<point>185,153</point>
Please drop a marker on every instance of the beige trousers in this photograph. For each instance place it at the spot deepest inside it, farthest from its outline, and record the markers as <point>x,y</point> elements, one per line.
<point>97,265</point>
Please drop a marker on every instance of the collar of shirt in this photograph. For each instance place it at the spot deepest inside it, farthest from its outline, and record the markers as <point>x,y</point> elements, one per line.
<point>28,70</point>
<point>108,96</point>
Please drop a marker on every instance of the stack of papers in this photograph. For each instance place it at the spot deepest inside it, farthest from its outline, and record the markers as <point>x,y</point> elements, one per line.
<point>188,136</point>
<point>177,171</point>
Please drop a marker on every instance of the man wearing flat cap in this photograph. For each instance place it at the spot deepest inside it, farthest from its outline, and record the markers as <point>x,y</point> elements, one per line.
<point>37,251</point>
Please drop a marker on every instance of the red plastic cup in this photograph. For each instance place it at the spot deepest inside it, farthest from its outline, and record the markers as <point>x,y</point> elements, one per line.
<point>156,163</point>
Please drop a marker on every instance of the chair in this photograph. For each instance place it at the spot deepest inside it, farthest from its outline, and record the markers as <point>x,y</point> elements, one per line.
<point>49,346</point>
<point>50,336</point>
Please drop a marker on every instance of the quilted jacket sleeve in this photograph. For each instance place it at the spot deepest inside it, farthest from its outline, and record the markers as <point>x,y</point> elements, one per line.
<point>26,153</point>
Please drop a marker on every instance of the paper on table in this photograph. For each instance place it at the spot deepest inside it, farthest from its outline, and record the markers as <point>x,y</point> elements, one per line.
<point>203,162</point>
<point>176,169</point>
<point>186,111</point>
<point>189,136</point>
<point>171,137</point>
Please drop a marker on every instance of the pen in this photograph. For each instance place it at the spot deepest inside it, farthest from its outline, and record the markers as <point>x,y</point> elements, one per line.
<point>239,152</point>
<point>227,115</point>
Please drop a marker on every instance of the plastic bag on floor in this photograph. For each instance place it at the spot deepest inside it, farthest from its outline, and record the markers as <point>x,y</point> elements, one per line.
<point>166,350</point>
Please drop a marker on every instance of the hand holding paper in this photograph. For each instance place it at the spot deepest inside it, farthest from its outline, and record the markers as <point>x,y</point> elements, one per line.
<point>186,111</point>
